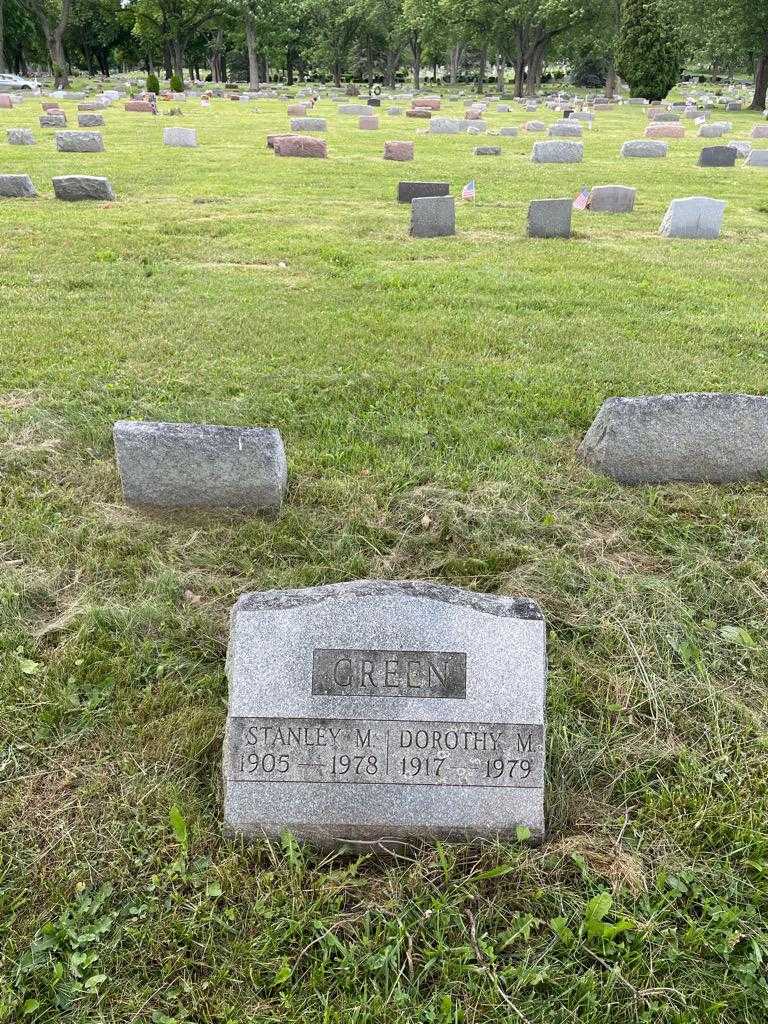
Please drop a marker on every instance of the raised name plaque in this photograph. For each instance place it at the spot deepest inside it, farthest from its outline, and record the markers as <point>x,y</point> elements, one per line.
<point>381,712</point>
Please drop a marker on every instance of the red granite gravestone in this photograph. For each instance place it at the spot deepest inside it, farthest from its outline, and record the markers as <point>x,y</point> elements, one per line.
<point>398,151</point>
<point>299,145</point>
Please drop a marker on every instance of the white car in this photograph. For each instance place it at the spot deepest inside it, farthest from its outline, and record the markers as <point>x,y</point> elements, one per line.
<point>15,83</point>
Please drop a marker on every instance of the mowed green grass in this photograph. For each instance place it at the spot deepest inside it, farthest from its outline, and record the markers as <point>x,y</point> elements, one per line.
<point>431,394</point>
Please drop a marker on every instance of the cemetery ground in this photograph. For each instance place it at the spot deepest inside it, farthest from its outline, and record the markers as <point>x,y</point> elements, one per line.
<point>431,394</point>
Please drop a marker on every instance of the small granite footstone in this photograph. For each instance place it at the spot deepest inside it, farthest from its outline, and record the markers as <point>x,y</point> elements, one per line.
<point>717,156</point>
<point>20,137</point>
<point>409,190</point>
<point>383,713</point>
<point>79,142</point>
<point>693,217</point>
<point>190,465</point>
<point>550,218</point>
<point>75,187</point>
<point>612,199</point>
<point>16,186</point>
<point>694,438</point>
<point>433,217</point>
<point>487,151</point>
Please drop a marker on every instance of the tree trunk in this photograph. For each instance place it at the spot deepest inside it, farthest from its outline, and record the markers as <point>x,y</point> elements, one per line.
<point>481,71</point>
<point>3,66</point>
<point>167,65</point>
<point>610,81</point>
<point>217,46</point>
<point>414,42</point>
<point>177,58</point>
<point>455,62</point>
<point>761,79</point>
<point>253,59</point>
<point>369,62</point>
<point>337,73</point>
<point>500,69</point>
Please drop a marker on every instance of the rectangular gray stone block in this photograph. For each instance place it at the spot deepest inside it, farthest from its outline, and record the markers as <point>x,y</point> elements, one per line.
<point>433,217</point>
<point>53,121</point>
<point>75,187</point>
<point>565,128</point>
<point>184,138</point>
<point>16,186</point>
<point>508,130</point>
<point>383,713</point>
<point>693,438</point>
<point>644,148</point>
<point>409,190</point>
<point>554,152</point>
<point>550,218</point>
<point>693,217</point>
<point>79,142</point>
<point>717,156</point>
<point>309,124</point>
<point>446,126</point>
<point>487,151</point>
<point>90,121</point>
<point>612,199</point>
<point>757,158</point>
<point>20,137</point>
<point>192,465</point>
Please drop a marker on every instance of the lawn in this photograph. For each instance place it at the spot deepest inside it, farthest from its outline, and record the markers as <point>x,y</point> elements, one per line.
<point>431,395</point>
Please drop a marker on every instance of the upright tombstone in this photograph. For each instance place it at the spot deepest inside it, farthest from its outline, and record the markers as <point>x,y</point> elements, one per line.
<point>407,191</point>
<point>20,137</point>
<point>192,465</point>
<point>643,149</point>
<point>757,158</point>
<point>693,217</point>
<point>555,152</point>
<point>382,712</point>
<point>90,121</point>
<point>16,186</point>
<point>73,188</point>
<point>401,151</point>
<point>79,142</point>
<point>184,138</point>
<point>612,199</point>
<point>717,156</point>
<point>550,218</point>
<point>694,438</point>
<point>433,217</point>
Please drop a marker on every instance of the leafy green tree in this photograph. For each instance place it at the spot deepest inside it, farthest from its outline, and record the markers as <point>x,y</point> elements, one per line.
<point>153,83</point>
<point>336,24</point>
<point>648,55</point>
<point>173,23</point>
<point>53,17</point>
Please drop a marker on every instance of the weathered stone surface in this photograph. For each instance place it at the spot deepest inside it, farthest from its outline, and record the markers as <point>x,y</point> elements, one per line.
<point>16,186</point>
<point>535,126</point>
<point>79,142</point>
<point>300,145</point>
<point>53,121</point>
<point>741,147</point>
<point>90,121</point>
<point>487,151</point>
<point>354,109</point>
<point>757,158</point>
<point>693,217</point>
<point>508,130</point>
<point>309,124</point>
<point>717,156</point>
<point>139,107</point>
<point>420,112</point>
<point>6,103</point>
<point>369,124</point>
<point>710,131</point>
<point>664,117</point>
<point>557,152</point>
<point>565,129</point>
<point>697,438</point>
<point>398,151</point>
<point>185,138</point>
<point>474,127</point>
<point>550,218</point>
<point>427,102</point>
<point>20,137</point>
<point>612,199</point>
<point>76,187</point>
<point>643,148</point>
<point>760,131</point>
<point>445,126</point>
<point>665,131</point>
<point>394,111</point>
<point>503,108</point>
<point>433,216</point>
<point>410,190</point>
<point>296,109</point>
<point>190,465</point>
<point>360,712</point>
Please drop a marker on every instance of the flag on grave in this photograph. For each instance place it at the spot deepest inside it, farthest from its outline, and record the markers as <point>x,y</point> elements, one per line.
<point>581,202</point>
<point>469,190</point>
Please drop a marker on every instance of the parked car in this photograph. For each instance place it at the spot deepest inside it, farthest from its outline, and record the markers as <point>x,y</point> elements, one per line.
<point>15,83</point>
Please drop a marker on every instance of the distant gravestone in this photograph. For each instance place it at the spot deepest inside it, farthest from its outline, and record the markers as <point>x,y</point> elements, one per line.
<point>760,131</point>
<point>6,103</point>
<point>550,218</point>
<point>90,121</point>
<point>53,121</point>
<point>401,151</point>
<point>16,186</point>
<point>353,109</point>
<point>385,712</point>
<point>309,124</point>
<point>717,156</point>
<point>693,217</point>
<point>612,199</point>
<point>368,123</point>
<point>665,131</point>
<point>444,126</point>
<point>394,111</point>
<point>433,217</point>
<point>643,149</point>
<point>565,128</point>
<point>79,142</point>
<point>695,438</point>
<point>139,107</point>
<point>535,126</point>
<point>76,187</point>
<point>407,191</point>
<point>741,147</point>
<point>420,112</point>
<point>487,151</point>
<point>710,131</point>
<point>20,137</point>
<point>557,152</point>
<point>757,158</point>
<point>508,130</point>
<point>182,138</point>
<point>299,146</point>
<point>190,465</point>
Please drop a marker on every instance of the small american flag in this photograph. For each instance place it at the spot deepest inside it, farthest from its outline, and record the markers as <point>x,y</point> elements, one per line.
<point>469,190</point>
<point>581,202</point>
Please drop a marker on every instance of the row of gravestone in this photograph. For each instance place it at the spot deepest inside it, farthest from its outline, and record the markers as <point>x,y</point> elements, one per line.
<point>379,713</point>
<point>93,142</point>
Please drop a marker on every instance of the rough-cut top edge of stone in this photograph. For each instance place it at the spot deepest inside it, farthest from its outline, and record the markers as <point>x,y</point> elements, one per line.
<point>693,397</point>
<point>503,607</point>
<point>156,426</point>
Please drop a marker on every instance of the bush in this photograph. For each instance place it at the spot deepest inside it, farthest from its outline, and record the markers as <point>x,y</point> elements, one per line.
<point>176,83</point>
<point>648,52</point>
<point>153,83</point>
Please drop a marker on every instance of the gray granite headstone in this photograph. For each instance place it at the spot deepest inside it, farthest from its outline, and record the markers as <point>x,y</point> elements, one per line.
<point>16,186</point>
<point>696,438</point>
<point>693,217</point>
<point>487,151</point>
<point>183,138</point>
<point>53,121</point>
<point>509,130</point>
<point>433,217</point>
<point>409,190</point>
<point>550,218</point>
<point>380,713</point>
<point>309,124</point>
<point>757,158</point>
<point>644,148</point>
<point>612,199</point>
<point>20,137</point>
<point>555,152</point>
<point>192,465</point>
<point>74,187</point>
<point>90,121</point>
<point>79,142</point>
<point>717,156</point>
<point>565,128</point>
